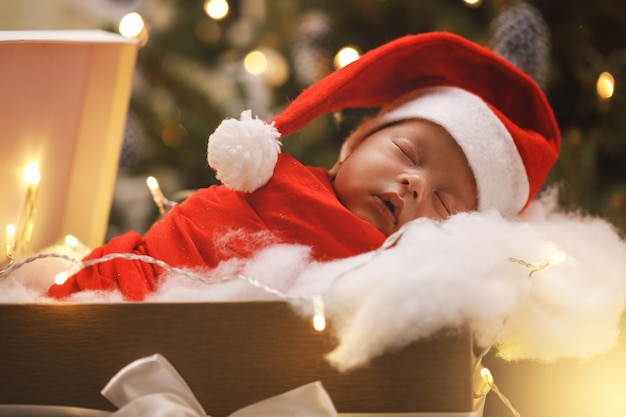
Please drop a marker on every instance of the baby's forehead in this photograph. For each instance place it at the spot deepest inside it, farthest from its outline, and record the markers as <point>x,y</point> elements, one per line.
<point>415,129</point>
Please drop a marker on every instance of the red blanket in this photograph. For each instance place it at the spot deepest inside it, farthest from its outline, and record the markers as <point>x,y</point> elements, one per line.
<point>298,205</point>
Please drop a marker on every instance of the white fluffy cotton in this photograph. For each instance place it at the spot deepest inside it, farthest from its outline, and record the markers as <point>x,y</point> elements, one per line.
<point>276,267</point>
<point>466,272</point>
<point>463,273</point>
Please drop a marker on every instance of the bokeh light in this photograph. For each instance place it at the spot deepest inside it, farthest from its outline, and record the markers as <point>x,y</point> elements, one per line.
<point>216,9</point>
<point>605,86</point>
<point>255,62</point>
<point>131,25</point>
<point>346,55</point>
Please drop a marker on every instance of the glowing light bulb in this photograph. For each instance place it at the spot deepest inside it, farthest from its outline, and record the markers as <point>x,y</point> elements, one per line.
<point>319,320</point>
<point>61,277</point>
<point>131,25</point>
<point>255,62</point>
<point>71,241</point>
<point>9,243</point>
<point>346,56</point>
<point>153,184</point>
<point>487,377</point>
<point>157,195</point>
<point>216,9</point>
<point>32,177</point>
<point>472,3</point>
<point>557,257</point>
<point>605,86</point>
<point>31,174</point>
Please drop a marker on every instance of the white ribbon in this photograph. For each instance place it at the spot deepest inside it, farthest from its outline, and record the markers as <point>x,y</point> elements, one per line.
<point>151,387</point>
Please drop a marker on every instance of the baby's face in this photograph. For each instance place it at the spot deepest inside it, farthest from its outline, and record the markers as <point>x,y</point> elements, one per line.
<point>404,171</point>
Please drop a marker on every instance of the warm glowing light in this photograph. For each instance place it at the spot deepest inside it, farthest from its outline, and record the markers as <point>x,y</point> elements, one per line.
<point>152,182</point>
<point>31,178</point>
<point>319,320</point>
<point>157,194</point>
<point>255,62</point>
<point>131,25</point>
<point>473,3</point>
<point>346,56</point>
<point>71,241</point>
<point>216,9</point>
<point>485,374</point>
<point>319,323</point>
<point>605,86</point>
<point>60,278</point>
<point>557,257</point>
<point>31,174</point>
<point>9,243</point>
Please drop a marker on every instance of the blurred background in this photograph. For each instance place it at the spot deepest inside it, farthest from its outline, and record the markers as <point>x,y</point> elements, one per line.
<point>204,60</point>
<point>201,61</point>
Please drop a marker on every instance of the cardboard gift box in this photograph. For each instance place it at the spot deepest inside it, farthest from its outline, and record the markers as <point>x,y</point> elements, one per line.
<point>65,97</point>
<point>230,354</point>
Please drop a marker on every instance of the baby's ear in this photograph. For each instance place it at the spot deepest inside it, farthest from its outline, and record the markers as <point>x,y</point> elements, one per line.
<point>333,171</point>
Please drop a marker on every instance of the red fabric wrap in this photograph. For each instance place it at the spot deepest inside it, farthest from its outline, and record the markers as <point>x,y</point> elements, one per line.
<point>298,205</point>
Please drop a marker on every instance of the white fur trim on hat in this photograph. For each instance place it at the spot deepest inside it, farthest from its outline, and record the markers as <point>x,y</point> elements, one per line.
<point>243,152</point>
<point>488,146</point>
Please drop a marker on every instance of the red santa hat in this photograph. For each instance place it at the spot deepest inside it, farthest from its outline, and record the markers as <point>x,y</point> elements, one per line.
<point>497,114</point>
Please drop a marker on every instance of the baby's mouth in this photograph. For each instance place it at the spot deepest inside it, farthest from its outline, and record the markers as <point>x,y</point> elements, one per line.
<point>390,206</point>
<point>394,204</point>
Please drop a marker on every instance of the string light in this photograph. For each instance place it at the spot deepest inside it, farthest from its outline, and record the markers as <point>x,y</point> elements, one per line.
<point>71,241</point>
<point>319,320</point>
<point>32,177</point>
<point>15,266</point>
<point>31,174</point>
<point>485,373</point>
<point>63,276</point>
<point>490,385</point>
<point>9,243</point>
<point>484,384</point>
<point>74,244</point>
<point>553,260</point>
<point>157,195</point>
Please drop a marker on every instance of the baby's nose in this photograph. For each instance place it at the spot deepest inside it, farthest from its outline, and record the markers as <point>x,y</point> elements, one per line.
<point>418,184</point>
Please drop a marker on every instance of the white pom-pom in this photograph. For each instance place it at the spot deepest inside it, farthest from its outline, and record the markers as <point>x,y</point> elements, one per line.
<point>243,152</point>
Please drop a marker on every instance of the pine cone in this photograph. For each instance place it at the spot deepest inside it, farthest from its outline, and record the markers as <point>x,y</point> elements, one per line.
<point>521,35</point>
<point>311,53</point>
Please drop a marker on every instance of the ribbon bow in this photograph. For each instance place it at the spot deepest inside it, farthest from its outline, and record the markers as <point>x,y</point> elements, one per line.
<point>151,386</point>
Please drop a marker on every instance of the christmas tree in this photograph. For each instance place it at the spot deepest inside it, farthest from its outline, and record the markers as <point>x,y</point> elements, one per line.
<point>190,75</point>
